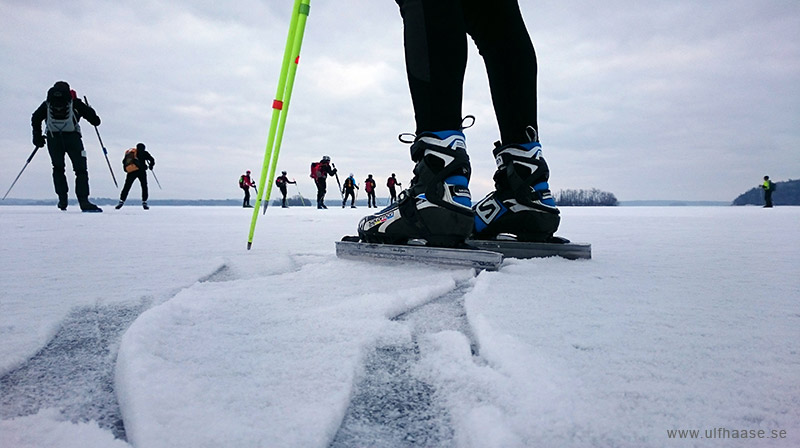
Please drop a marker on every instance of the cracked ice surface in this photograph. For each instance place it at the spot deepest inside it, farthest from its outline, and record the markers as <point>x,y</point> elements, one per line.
<point>686,317</point>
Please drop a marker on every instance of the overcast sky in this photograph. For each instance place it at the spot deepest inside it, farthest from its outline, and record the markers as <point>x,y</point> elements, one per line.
<point>689,100</point>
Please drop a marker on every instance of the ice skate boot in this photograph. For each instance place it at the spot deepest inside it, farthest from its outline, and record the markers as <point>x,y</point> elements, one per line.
<point>119,205</point>
<point>436,208</point>
<point>88,207</point>
<point>521,204</point>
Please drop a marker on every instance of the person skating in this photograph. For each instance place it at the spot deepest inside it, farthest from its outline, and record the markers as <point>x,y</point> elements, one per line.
<point>369,187</point>
<point>320,172</point>
<point>350,186</point>
<point>768,187</point>
<point>392,183</point>
<point>61,112</point>
<point>245,182</point>
<point>281,182</point>
<point>437,206</point>
<point>136,163</point>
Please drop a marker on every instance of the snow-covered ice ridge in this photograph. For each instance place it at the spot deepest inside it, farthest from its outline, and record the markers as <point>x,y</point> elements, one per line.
<point>158,328</point>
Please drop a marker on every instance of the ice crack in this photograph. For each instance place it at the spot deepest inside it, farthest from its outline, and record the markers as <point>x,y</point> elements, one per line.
<point>391,406</point>
<point>74,372</point>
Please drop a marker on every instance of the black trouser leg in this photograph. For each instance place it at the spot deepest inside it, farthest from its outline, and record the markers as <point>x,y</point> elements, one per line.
<point>73,146</point>
<point>246,201</point>
<point>321,190</point>
<point>436,58</point>
<point>129,178</point>
<point>143,182</point>
<point>349,194</point>
<point>56,149</point>
<point>510,59</point>
<point>435,49</point>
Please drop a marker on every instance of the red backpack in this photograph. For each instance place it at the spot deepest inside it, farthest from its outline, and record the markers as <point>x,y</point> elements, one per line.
<point>317,170</point>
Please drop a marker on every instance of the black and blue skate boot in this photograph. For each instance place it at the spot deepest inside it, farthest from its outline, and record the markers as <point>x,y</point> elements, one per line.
<point>436,209</point>
<point>521,205</point>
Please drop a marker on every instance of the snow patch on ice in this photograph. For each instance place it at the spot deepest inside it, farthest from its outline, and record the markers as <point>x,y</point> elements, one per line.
<point>47,429</point>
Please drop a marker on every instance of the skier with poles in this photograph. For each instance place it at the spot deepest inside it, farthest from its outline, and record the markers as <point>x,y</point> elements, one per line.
<point>350,187</point>
<point>61,112</point>
<point>281,183</point>
<point>320,172</point>
<point>136,162</point>
<point>245,182</point>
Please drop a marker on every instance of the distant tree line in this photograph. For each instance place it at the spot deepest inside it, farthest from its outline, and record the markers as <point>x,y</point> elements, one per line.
<point>591,198</point>
<point>786,193</point>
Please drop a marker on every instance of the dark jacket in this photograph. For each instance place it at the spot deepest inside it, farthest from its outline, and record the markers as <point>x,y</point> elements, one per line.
<point>80,109</point>
<point>144,160</point>
<point>281,182</point>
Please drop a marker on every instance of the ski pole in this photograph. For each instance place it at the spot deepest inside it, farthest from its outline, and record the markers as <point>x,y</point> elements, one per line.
<point>301,15</point>
<point>255,188</point>
<point>30,157</point>
<point>341,191</point>
<point>280,105</point>
<point>156,178</point>
<point>302,201</point>
<point>105,153</point>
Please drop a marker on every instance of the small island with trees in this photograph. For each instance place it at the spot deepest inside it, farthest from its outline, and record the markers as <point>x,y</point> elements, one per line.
<point>786,193</point>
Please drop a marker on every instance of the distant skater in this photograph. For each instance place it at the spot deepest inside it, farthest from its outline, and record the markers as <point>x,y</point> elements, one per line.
<point>350,187</point>
<point>768,187</point>
<point>281,182</point>
<point>392,183</point>
<point>320,172</point>
<point>136,162</point>
<point>369,187</point>
<point>245,182</point>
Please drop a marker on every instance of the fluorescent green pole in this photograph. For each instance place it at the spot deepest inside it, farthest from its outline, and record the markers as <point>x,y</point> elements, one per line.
<point>298,43</point>
<point>280,106</point>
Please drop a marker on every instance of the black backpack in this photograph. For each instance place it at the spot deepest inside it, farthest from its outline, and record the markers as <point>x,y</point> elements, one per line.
<point>60,114</point>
